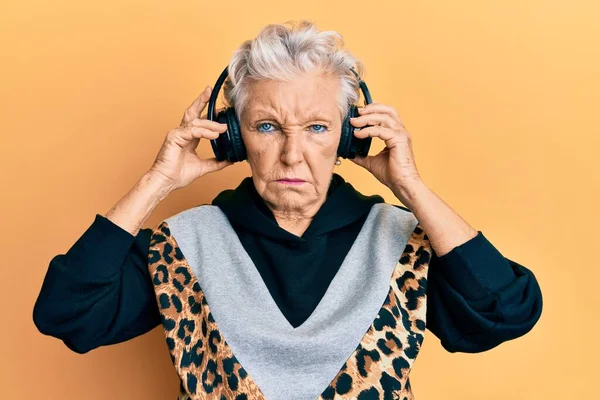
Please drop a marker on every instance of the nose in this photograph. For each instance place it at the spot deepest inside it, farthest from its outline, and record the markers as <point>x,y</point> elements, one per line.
<point>292,149</point>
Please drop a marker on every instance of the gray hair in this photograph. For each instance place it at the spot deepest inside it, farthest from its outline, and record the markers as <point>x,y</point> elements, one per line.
<point>282,52</point>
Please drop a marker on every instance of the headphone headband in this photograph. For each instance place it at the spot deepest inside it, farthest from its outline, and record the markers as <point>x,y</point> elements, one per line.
<point>215,93</point>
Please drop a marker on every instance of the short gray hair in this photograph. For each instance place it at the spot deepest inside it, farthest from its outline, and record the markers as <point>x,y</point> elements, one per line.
<point>282,52</point>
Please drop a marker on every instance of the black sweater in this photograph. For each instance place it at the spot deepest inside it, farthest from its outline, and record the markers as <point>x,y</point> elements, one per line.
<point>100,292</point>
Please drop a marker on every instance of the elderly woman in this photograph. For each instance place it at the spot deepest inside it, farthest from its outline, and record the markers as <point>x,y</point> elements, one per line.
<point>293,285</point>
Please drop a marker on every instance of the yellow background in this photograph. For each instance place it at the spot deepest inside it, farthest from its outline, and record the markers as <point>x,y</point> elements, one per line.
<point>501,98</point>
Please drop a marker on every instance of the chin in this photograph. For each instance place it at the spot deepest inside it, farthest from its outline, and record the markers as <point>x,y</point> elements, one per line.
<point>290,197</point>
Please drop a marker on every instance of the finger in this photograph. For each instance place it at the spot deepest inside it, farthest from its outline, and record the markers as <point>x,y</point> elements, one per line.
<point>214,165</point>
<point>197,132</point>
<point>205,123</point>
<point>194,110</point>
<point>390,136</point>
<point>379,108</point>
<point>375,119</point>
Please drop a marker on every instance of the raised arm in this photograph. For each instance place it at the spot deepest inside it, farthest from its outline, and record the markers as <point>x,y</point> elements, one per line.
<point>100,292</point>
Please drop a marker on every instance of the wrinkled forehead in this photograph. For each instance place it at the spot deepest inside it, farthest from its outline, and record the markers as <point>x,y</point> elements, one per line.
<point>301,100</point>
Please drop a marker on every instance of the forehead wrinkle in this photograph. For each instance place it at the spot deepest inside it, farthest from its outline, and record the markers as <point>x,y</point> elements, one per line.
<point>295,102</point>
<point>311,115</point>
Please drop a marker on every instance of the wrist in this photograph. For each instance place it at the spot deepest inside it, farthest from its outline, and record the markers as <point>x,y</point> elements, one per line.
<point>408,191</point>
<point>136,205</point>
<point>155,183</point>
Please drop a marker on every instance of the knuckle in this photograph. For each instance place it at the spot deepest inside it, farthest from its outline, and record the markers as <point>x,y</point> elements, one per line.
<point>175,132</point>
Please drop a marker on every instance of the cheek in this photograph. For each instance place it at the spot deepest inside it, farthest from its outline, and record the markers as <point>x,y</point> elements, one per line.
<point>321,162</point>
<point>263,162</point>
<point>257,149</point>
<point>326,150</point>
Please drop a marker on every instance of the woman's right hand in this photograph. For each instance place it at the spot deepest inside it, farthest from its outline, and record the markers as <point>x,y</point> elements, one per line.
<point>177,161</point>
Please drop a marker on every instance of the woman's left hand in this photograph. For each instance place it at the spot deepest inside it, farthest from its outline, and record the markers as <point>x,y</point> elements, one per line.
<point>395,165</point>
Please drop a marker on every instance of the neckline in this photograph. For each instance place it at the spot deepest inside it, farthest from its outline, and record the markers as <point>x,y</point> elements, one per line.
<point>315,319</point>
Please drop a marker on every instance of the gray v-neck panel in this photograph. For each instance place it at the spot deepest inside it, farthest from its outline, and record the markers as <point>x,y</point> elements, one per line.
<point>286,362</point>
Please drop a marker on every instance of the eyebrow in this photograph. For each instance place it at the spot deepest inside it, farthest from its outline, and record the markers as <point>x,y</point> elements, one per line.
<point>257,114</point>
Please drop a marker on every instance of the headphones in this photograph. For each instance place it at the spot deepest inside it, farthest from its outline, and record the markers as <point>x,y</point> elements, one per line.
<point>230,146</point>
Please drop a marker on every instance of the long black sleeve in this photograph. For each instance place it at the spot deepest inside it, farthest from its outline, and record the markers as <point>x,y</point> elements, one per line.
<point>99,292</point>
<point>477,298</point>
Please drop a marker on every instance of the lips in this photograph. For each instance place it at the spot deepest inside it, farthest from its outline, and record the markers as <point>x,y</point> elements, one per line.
<point>290,180</point>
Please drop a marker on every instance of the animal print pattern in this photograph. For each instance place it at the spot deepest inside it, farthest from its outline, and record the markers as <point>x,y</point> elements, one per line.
<point>377,369</point>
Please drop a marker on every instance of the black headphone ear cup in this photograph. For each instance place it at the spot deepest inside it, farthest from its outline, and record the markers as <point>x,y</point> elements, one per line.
<point>347,133</point>
<point>355,146</point>
<point>221,145</point>
<point>238,148</point>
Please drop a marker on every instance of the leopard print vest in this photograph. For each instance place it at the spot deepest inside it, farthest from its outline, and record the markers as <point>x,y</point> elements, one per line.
<point>228,340</point>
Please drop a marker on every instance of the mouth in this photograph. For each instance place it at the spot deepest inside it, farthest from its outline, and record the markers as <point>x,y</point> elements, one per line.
<point>291,181</point>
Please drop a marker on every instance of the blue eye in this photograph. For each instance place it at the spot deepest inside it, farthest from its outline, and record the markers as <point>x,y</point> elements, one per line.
<point>264,123</point>
<point>323,126</point>
<point>266,130</point>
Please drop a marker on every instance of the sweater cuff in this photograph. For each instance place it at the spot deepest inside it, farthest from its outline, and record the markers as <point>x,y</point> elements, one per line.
<point>476,268</point>
<point>102,248</point>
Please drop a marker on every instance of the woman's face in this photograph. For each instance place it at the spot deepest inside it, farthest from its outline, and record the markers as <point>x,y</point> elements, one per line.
<point>292,130</point>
